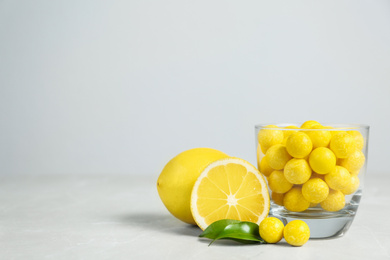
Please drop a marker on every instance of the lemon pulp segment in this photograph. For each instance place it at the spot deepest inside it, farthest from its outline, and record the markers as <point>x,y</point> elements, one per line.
<point>229,189</point>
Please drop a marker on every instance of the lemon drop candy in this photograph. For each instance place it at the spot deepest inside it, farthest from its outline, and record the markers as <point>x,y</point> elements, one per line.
<point>352,187</point>
<point>296,233</point>
<point>269,137</point>
<point>333,131</point>
<point>271,230</point>
<point>355,173</point>
<point>277,198</point>
<point>264,167</point>
<point>316,175</point>
<point>342,144</point>
<point>294,201</point>
<point>277,156</point>
<point>315,190</point>
<point>297,171</point>
<point>258,156</point>
<point>278,183</point>
<point>319,138</point>
<point>334,202</point>
<point>322,160</point>
<point>287,133</point>
<point>299,145</point>
<point>339,178</point>
<point>354,162</point>
<point>309,124</point>
<point>358,138</point>
<point>331,182</point>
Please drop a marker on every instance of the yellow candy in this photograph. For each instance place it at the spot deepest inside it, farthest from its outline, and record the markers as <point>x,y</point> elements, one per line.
<point>277,198</point>
<point>296,233</point>
<point>264,167</point>
<point>278,183</point>
<point>319,138</point>
<point>358,139</point>
<point>354,162</point>
<point>309,124</point>
<point>271,230</point>
<point>297,171</point>
<point>294,200</point>
<point>352,187</point>
<point>311,165</point>
<point>316,175</point>
<point>342,144</point>
<point>334,202</point>
<point>287,133</point>
<point>259,156</point>
<point>355,173</point>
<point>333,131</point>
<point>269,137</point>
<point>322,160</point>
<point>315,190</point>
<point>299,145</point>
<point>277,156</point>
<point>339,178</point>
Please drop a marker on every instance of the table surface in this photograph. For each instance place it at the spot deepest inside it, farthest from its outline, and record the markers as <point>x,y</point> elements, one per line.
<point>122,217</point>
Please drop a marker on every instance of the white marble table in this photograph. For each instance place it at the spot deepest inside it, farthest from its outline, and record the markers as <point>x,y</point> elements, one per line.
<point>122,217</point>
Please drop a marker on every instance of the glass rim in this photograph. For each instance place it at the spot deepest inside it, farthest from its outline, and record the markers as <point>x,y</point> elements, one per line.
<point>338,127</point>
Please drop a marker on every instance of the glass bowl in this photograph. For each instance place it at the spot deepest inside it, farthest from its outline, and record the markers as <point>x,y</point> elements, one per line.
<point>314,172</point>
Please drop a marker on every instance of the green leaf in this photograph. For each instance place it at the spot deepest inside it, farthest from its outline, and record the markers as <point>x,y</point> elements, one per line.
<point>240,231</point>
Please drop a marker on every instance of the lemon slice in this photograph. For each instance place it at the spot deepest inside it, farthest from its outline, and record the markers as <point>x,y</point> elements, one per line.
<point>229,188</point>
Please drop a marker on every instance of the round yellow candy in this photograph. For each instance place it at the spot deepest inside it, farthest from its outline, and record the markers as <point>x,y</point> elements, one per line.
<point>277,198</point>
<point>269,137</point>
<point>287,133</point>
<point>358,138</point>
<point>354,173</point>
<point>277,156</point>
<point>316,175</point>
<point>315,190</point>
<point>299,145</point>
<point>271,230</point>
<point>342,144</point>
<point>322,160</point>
<point>294,201</point>
<point>278,183</point>
<point>297,171</point>
<point>353,186</point>
<point>334,202</point>
<point>319,138</point>
<point>333,131</point>
<point>339,178</point>
<point>264,167</point>
<point>354,162</point>
<point>309,124</point>
<point>296,233</point>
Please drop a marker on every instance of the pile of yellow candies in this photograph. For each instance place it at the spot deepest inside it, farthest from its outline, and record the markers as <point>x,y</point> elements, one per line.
<point>311,165</point>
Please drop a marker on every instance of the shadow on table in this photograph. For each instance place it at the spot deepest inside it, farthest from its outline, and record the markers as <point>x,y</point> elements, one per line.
<point>160,222</point>
<point>168,224</point>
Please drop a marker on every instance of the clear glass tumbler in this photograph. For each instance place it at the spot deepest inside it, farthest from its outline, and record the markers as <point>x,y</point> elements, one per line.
<point>314,173</point>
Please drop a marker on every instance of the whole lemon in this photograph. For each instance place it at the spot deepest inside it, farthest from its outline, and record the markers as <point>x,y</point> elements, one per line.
<point>178,177</point>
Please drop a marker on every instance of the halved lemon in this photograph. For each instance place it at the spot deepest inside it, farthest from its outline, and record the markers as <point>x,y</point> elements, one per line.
<point>229,188</point>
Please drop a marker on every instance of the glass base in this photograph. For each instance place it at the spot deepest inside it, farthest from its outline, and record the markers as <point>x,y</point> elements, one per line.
<point>322,224</point>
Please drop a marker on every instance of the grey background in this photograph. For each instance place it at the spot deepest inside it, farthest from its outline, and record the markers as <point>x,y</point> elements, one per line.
<point>120,87</point>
